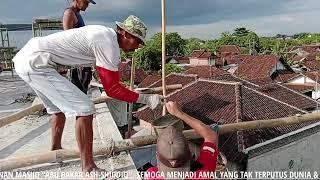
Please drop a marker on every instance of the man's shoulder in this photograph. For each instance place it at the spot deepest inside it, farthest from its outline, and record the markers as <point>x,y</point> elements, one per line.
<point>99,27</point>
<point>98,30</point>
<point>69,12</point>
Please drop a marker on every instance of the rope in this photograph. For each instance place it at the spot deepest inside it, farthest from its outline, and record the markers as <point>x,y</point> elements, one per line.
<point>106,150</point>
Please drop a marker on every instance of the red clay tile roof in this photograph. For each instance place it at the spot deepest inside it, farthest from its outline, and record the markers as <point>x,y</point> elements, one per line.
<point>183,60</point>
<point>311,62</point>
<point>150,79</point>
<point>311,65</point>
<point>216,101</point>
<point>175,78</point>
<point>314,75</point>
<point>257,67</point>
<point>125,72</point>
<point>312,56</point>
<point>204,71</point>
<point>300,87</point>
<point>289,96</point>
<point>307,48</point>
<point>233,49</point>
<point>298,58</point>
<point>285,76</point>
<point>201,54</point>
<point>276,91</point>
<point>233,59</point>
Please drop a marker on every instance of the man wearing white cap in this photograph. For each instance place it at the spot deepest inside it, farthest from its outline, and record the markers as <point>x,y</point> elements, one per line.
<point>97,45</point>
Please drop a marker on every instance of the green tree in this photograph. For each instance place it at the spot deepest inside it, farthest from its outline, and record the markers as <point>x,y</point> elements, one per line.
<point>211,45</point>
<point>301,35</point>
<point>240,32</point>
<point>175,45</point>
<point>253,43</point>
<point>191,45</point>
<point>124,55</point>
<point>148,58</point>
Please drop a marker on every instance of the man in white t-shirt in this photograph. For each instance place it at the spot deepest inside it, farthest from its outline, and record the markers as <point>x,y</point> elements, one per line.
<point>37,61</point>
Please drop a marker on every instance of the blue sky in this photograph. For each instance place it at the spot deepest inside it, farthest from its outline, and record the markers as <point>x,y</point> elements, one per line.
<point>204,19</point>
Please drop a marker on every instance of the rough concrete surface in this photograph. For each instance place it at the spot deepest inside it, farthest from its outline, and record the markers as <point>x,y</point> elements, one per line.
<point>32,134</point>
<point>15,94</point>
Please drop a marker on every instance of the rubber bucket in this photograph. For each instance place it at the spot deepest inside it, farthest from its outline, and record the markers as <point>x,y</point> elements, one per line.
<point>165,121</point>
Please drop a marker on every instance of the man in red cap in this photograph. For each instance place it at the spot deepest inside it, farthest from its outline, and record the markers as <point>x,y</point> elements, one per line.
<point>94,45</point>
<point>173,154</point>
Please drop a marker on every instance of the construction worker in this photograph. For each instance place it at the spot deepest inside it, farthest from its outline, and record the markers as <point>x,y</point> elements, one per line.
<point>173,152</point>
<point>97,45</point>
<point>72,18</point>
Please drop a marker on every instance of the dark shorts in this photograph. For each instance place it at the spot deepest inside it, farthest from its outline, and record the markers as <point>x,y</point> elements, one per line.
<point>81,77</point>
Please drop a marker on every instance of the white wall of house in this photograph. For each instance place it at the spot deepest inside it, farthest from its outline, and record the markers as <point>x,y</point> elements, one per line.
<point>316,94</point>
<point>212,62</point>
<point>173,61</point>
<point>279,66</point>
<point>297,80</point>
<point>301,80</point>
<point>199,62</point>
<point>301,155</point>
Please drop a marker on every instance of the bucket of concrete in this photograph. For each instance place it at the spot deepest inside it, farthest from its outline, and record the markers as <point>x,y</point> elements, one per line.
<point>165,121</point>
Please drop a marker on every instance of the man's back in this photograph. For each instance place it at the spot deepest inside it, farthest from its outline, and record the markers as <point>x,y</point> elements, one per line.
<point>74,47</point>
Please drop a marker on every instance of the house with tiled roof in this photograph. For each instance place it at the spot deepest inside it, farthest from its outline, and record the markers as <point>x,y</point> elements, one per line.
<point>232,60</point>
<point>231,102</point>
<point>261,67</point>
<point>175,78</point>
<point>308,62</point>
<point>307,83</point>
<point>305,49</point>
<point>150,79</point>
<point>179,61</point>
<point>125,72</point>
<point>202,58</point>
<point>205,71</point>
<point>275,90</point>
<point>226,50</point>
<point>311,62</point>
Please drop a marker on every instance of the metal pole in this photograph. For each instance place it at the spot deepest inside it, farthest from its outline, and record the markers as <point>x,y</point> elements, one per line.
<point>163,4</point>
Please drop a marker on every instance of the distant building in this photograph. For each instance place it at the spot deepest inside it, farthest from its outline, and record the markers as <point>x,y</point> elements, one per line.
<point>226,50</point>
<point>202,58</point>
<point>179,61</point>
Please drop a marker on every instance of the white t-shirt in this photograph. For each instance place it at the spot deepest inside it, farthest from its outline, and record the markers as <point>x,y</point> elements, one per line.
<point>85,46</point>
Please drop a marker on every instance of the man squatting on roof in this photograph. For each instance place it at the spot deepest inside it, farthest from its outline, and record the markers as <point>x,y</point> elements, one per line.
<point>173,152</point>
<point>97,45</point>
